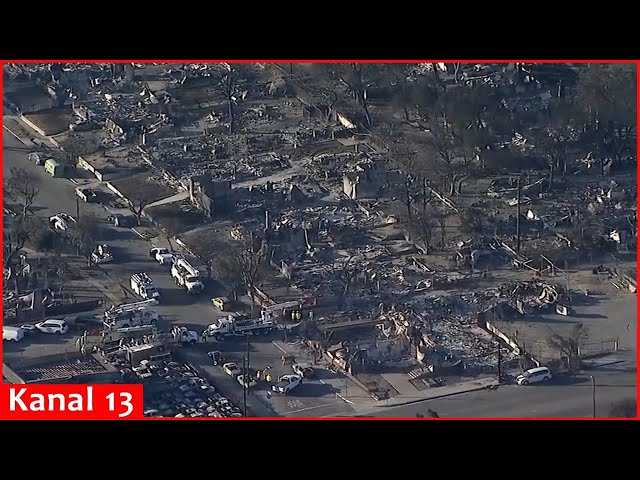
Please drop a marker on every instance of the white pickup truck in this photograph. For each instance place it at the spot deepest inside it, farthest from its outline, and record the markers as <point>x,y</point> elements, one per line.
<point>286,384</point>
<point>161,255</point>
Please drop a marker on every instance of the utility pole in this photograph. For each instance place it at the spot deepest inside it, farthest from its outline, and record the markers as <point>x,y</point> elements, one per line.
<point>499,362</point>
<point>77,208</point>
<point>244,385</point>
<point>593,393</point>
<point>519,197</point>
<point>248,353</point>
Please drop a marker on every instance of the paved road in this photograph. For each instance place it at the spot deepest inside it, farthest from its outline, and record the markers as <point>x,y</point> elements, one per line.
<point>130,251</point>
<point>571,397</point>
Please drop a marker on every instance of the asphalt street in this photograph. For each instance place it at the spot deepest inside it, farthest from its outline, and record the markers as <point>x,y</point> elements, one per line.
<point>131,253</point>
<point>563,397</point>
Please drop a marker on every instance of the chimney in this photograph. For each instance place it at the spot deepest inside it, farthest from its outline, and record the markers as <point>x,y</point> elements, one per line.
<point>191,188</point>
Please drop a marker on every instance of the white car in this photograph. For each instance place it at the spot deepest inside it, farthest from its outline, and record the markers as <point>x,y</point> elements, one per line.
<point>61,221</point>
<point>231,369</point>
<point>534,375</point>
<point>28,328</point>
<point>59,327</point>
<point>286,384</point>
<point>249,383</point>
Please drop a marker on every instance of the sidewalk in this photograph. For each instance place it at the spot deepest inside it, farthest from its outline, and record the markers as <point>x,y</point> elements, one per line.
<point>363,403</point>
<point>25,134</point>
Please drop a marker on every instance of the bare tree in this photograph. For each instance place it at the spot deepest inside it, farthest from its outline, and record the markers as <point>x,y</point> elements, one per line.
<point>17,234</point>
<point>406,158</point>
<point>569,346</point>
<point>84,234</point>
<point>249,261</point>
<point>355,77</point>
<point>468,107</point>
<point>442,224</point>
<point>227,85</point>
<point>553,141</point>
<point>138,200</point>
<point>397,76</point>
<point>608,94</point>
<point>443,141</point>
<point>623,409</point>
<point>472,221</point>
<point>75,146</point>
<point>426,225</point>
<point>22,187</point>
<point>347,272</point>
<point>226,267</point>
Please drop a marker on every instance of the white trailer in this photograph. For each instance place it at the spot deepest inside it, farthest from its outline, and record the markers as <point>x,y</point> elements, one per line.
<point>143,286</point>
<point>231,326</point>
<point>186,276</point>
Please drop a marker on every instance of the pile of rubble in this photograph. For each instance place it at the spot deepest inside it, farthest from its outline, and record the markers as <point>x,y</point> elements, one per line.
<point>187,157</point>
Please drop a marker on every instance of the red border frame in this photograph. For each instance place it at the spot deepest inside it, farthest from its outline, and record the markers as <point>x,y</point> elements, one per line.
<point>2,62</point>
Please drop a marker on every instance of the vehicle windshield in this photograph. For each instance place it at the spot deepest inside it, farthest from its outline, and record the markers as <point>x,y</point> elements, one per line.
<point>192,279</point>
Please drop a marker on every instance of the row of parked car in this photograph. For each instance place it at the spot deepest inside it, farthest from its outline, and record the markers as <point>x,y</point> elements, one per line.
<point>173,389</point>
<point>51,326</point>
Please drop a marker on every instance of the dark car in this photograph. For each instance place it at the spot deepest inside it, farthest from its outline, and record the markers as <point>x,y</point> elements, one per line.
<point>125,221</point>
<point>216,357</point>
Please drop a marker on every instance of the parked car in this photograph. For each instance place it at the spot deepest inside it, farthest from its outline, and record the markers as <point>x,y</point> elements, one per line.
<point>119,220</point>
<point>304,370</point>
<point>231,369</point>
<point>59,327</point>
<point>28,329</point>
<point>534,375</point>
<point>216,357</point>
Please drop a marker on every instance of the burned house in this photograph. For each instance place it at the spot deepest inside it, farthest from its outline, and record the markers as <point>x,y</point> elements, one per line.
<point>209,195</point>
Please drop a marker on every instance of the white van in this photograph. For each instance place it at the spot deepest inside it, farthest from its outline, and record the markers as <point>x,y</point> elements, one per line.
<point>59,327</point>
<point>534,375</point>
<point>12,334</point>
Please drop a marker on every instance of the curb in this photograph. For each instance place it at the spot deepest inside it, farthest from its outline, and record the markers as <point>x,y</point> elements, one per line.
<point>444,395</point>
